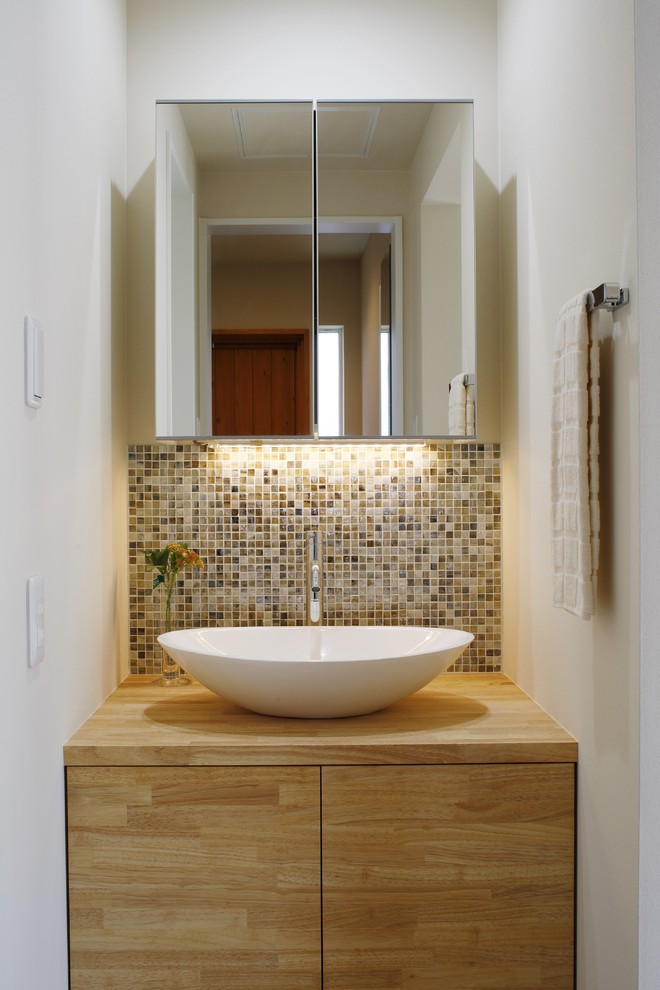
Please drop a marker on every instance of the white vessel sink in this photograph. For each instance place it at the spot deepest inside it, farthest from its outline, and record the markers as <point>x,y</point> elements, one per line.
<point>315,671</point>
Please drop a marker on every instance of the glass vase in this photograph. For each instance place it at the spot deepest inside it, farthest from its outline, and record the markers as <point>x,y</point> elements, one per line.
<point>171,674</point>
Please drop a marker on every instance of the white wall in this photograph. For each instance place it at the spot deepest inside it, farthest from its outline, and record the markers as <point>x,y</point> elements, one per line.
<point>220,49</point>
<point>61,257</point>
<point>440,312</point>
<point>647,32</point>
<point>440,264</point>
<point>175,261</point>
<point>569,223</point>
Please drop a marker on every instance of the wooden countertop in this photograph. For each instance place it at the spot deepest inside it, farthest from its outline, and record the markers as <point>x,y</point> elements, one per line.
<point>458,718</point>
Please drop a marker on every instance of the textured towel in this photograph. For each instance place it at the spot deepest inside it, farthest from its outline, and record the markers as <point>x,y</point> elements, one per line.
<point>461,407</point>
<point>574,481</point>
<point>470,425</point>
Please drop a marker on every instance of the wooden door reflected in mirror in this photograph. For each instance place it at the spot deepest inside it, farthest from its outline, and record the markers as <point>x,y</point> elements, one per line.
<point>261,383</point>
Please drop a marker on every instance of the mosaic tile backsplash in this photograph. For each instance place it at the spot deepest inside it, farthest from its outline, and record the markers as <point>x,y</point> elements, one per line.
<point>411,535</point>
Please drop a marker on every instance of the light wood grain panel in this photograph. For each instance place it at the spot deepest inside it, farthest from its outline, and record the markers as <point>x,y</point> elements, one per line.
<point>459,718</point>
<point>194,879</point>
<point>456,876</point>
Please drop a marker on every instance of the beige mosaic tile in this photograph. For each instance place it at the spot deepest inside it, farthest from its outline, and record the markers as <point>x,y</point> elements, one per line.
<point>410,533</point>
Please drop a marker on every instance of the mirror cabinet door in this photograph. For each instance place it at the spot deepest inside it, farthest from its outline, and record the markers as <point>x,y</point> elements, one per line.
<point>396,265</point>
<point>234,310</point>
<point>241,351</point>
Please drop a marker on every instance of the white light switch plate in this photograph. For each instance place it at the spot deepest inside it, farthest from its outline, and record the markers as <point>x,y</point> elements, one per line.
<point>35,620</point>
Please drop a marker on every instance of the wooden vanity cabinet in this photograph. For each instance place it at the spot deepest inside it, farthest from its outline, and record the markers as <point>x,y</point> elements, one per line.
<point>211,877</point>
<point>203,878</point>
<point>450,877</point>
<point>426,846</point>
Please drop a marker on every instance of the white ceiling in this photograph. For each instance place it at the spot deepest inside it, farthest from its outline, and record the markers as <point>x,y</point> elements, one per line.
<point>277,136</point>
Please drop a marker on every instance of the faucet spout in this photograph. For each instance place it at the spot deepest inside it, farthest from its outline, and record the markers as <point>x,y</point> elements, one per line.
<point>314,580</point>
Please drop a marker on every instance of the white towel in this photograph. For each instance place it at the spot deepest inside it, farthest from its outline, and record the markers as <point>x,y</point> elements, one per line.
<point>470,425</point>
<point>574,477</point>
<point>461,407</point>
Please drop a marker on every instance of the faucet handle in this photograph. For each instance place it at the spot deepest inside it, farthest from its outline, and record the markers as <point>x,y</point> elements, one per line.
<point>314,593</point>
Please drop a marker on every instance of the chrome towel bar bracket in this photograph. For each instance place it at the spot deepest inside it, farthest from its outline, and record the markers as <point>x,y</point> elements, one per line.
<point>609,295</point>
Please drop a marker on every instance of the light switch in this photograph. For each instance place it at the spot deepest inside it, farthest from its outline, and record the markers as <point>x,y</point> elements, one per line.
<point>35,620</point>
<point>34,362</point>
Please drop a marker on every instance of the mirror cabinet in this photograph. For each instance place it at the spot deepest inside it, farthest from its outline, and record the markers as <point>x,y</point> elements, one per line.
<point>315,270</point>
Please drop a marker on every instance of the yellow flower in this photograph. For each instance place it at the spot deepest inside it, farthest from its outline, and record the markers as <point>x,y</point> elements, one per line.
<point>182,556</point>
<point>168,562</point>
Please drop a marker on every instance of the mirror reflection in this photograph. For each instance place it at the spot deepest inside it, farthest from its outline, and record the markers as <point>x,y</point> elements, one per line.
<point>236,344</point>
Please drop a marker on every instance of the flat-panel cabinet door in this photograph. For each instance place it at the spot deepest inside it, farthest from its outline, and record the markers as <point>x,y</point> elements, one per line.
<point>450,877</point>
<point>194,878</point>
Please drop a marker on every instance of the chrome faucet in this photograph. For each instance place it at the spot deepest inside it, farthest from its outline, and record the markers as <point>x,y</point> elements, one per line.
<point>314,580</point>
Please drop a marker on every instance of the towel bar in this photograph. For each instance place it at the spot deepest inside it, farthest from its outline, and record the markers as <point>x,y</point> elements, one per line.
<point>609,295</point>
